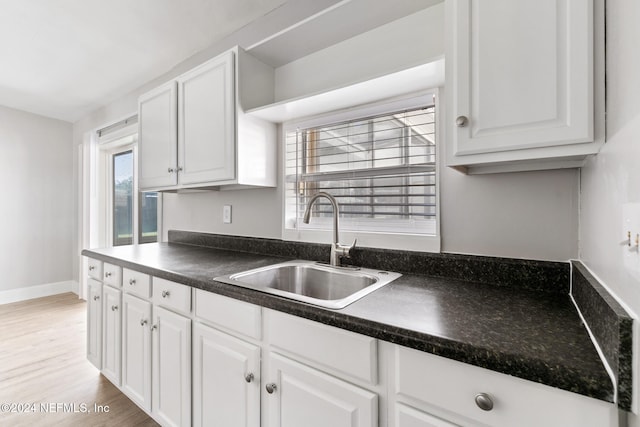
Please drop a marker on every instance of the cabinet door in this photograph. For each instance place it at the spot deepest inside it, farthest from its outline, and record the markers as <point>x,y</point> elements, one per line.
<point>157,137</point>
<point>226,380</point>
<point>406,416</point>
<point>520,74</point>
<point>171,395</point>
<point>136,350</point>
<point>94,322</point>
<point>111,334</point>
<point>306,397</point>
<point>206,122</point>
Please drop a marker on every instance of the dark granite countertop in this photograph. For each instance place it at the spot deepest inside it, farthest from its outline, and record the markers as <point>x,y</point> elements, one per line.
<point>533,335</point>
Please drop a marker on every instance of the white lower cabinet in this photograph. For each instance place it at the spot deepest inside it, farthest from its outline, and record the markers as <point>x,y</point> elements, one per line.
<point>190,357</point>
<point>94,322</point>
<point>171,362</point>
<point>136,350</point>
<point>226,379</point>
<point>111,334</point>
<point>443,389</point>
<point>298,395</point>
<point>406,416</point>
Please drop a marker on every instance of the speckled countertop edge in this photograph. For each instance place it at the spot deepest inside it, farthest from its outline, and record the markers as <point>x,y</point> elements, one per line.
<point>610,324</point>
<point>527,366</point>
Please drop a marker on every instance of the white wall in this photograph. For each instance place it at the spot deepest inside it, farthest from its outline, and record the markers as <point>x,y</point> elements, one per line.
<point>36,219</point>
<point>611,179</point>
<point>521,215</point>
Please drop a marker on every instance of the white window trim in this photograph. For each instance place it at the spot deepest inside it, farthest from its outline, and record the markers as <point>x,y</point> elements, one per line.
<point>385,240</point>
<point>106,155</point>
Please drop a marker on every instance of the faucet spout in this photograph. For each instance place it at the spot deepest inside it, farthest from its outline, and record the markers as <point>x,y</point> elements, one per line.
<point>337,250</point>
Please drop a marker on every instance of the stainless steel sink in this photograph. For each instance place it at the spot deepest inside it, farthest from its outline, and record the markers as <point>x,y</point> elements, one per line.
<point>313,283</point>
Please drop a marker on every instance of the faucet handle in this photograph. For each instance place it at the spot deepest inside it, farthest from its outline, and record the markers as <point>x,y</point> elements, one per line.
<point>344,251</point>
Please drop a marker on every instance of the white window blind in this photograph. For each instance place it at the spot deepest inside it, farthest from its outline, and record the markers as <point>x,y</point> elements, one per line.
<point>381,169</point>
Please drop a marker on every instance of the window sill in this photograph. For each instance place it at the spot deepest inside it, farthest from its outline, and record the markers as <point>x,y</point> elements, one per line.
<point>406,242</point>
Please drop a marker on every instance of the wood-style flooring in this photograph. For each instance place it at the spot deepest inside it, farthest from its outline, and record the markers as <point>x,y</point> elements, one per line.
<point>43,366</point>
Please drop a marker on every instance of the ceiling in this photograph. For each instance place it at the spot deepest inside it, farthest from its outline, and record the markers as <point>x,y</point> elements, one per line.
<point>65,58</point>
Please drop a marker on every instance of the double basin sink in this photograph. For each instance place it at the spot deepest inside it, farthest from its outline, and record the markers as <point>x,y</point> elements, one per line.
<point>313,283</point>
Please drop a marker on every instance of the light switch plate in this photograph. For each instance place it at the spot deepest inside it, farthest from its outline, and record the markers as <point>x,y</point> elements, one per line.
<point>226,214</point>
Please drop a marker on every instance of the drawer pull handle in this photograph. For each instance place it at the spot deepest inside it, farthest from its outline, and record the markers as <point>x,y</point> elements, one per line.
<point>271,387</point>
<point>165,294</point>
<point>96,297</point>
<point>248,378</point>
<point>114,307</point>
<point>132,281</point>
<point>143,322</point>
<point>462,121</point>
<point>484,402</point>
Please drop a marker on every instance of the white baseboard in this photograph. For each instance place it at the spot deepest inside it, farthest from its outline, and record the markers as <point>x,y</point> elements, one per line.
<point>38,291</point>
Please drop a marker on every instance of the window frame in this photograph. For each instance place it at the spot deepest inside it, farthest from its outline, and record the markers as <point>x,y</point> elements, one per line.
<point>376,239</point>
<point>119,141</point>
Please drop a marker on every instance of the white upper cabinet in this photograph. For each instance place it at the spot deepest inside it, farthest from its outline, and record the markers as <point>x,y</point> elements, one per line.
<point>158,129</point>
<point>193,132</point>
<point>523,83</point>
<point>206,132</point>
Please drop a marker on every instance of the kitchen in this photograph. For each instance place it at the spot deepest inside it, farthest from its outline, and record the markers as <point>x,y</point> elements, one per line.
<point>547,213</point>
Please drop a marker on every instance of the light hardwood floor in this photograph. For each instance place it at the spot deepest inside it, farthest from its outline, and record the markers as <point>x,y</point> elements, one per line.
<point>43,362</point>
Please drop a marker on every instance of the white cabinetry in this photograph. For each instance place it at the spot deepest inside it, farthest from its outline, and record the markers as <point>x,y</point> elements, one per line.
<point>193,132</point>
<point>156,349</point>
<point>524,83</point>
<point>158,137</point>
<point>312,374</point>
<point>94,322</point>
<point>111,334</point>
<point>220,361</point>
<point>226,366</point>
<point>171,376</point>
<point>206,131</point>
<point>226,379</point>
<point>443,389</point>
<point>136,350</point>
<point>303,396</point>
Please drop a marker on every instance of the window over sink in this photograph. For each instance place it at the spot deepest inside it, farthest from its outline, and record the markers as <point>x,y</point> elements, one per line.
<point>380,163</point>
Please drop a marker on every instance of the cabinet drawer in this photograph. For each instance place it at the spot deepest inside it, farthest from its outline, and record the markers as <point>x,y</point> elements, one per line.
<point>446,385</point>
<point>349,353</point>
<point>171,295</point>
<point>94,268</point>
<point>236,316</point>
<point>112,275</point>
<point>136,283</point>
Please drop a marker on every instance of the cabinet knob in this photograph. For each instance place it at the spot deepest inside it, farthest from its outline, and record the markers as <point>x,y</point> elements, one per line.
<point>96,297</point>
<point>248,378</point>
<point>114,307</point>
<point>91,268</point>
<point>484,402</point>
<point>271,387</point>
<point>132,281</point>
<point>107,274</point>
<point>143,322</point>
<point>179,169</point>
<point>165,294</point>
<point>170,170</point>
<point>462,121</point>
<point>154,327</point>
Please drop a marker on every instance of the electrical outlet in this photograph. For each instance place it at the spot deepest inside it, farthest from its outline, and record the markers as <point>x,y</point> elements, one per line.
<point>631,233</point>
<point>226,214</point>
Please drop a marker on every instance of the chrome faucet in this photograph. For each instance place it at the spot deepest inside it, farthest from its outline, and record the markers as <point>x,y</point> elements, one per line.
<point>338,250</point>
